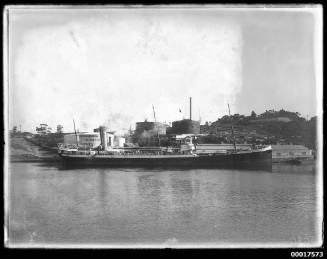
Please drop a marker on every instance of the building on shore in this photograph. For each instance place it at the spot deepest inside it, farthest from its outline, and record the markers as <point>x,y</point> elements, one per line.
<point>60,129</point>
<point>93,140</point>
<point>109,138</point>
<point>43,129</point>
<point>90,140</point>
<point>290,152</point>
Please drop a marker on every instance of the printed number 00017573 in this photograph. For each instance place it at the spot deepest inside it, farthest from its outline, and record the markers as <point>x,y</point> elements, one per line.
<point>307,254</point>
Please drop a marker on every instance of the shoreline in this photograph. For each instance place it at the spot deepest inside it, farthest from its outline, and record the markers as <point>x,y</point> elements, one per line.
<point>17,160</point>
<point>24,150</point>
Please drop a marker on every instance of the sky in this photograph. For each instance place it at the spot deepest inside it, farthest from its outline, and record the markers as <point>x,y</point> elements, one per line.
<point>109,66</point>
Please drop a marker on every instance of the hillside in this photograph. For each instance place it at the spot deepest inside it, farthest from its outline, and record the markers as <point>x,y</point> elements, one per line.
<point>22,150</point>
<point>271,127</point>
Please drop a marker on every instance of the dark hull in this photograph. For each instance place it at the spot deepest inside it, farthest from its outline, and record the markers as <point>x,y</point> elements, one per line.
<point>255,160</point>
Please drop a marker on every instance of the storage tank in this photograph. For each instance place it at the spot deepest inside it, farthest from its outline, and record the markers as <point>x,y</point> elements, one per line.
<point>147,133</point>
<point>150,128</point>
<point>185,127</point>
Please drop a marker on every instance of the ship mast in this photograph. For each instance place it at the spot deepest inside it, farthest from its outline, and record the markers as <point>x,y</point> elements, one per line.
<point>154,113</point>
<point>75,133</point>
<point>155,120</point>
<point>231,124</point>
<point>190,108</point>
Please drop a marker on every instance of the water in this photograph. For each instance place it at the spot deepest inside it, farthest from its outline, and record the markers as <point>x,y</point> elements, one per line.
<point>49,205</point>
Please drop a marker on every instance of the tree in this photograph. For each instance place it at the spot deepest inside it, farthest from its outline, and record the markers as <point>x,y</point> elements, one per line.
<point>59,128</point>
<point>253,115</point>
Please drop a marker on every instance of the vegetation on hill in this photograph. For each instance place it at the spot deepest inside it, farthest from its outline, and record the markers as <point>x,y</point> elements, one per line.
<point>273,126</point>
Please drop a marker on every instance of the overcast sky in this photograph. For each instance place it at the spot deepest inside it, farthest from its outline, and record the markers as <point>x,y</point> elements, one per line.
<point>108,66</point>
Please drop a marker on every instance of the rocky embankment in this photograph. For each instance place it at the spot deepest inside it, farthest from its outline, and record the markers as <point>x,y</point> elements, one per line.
<point>21,150</point>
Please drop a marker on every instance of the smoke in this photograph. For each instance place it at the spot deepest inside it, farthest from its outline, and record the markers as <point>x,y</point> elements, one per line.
<point>111,69</point>
<point>149,133</point>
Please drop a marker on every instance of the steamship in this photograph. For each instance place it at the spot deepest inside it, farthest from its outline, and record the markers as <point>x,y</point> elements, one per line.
<point>183,153</point>
<point>259,158</point>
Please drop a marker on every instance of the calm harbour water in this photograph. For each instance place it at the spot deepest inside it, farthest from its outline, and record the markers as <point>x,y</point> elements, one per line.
<point>49,205</point>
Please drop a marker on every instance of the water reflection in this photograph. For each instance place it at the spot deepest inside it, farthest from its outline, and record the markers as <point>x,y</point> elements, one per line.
<point>182,199</point>
<point>60,165</point>
<point>101,183</point>
<point>306,167</point>
<point>143,205</point>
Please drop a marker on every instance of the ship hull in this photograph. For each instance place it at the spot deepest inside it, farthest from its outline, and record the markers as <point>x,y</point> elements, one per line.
<point>261,160</point>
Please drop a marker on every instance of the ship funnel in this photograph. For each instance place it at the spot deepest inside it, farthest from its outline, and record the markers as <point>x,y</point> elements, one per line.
<point>190,108</point>
<point>103,131</point>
